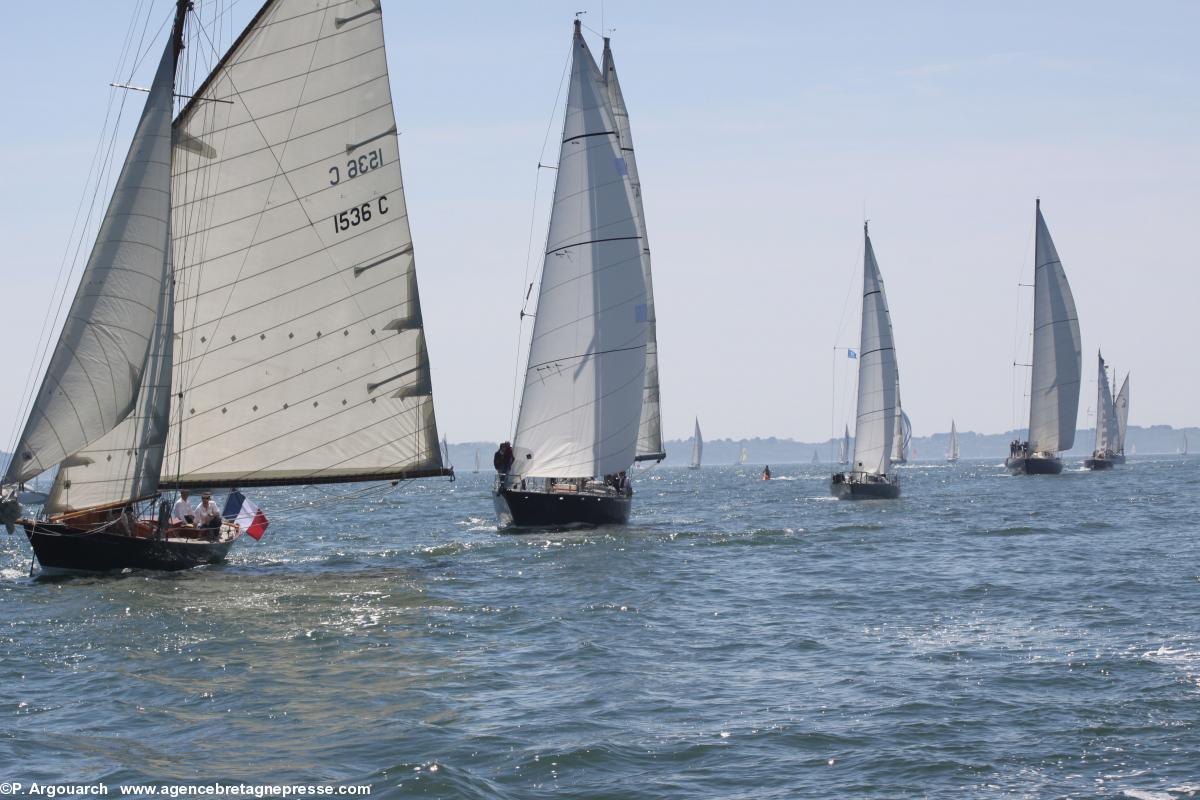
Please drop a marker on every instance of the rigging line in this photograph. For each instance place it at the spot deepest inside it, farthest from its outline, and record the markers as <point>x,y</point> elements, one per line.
<point>512,411</point>
<point>98,168</point>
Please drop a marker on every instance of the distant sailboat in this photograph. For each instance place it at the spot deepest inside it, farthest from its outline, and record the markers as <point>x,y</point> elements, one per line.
<point>952,451</point>
<point>582,411</point>
<point>743,456</point>
<point>878,380</point>
<point>816,459</point>
<point>230,330</point>
<point>1108,425</point>
<point>902,436</point>
<point>446,453</point>
<point>697,447</point>
<point>1122,419</point>
<point>1184,451</point>
<point>844,448</point>
<point>1057,365</point>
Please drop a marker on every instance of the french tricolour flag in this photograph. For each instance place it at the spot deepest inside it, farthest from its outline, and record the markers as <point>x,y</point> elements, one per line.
<point>246,514</point>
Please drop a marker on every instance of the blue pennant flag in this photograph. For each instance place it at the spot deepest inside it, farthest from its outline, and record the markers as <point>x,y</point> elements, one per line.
<point>850,353</point>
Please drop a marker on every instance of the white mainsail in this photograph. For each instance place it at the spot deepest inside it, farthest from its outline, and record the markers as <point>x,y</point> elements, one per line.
<point>877,375</point>
<point>581,407</point>
<point>697,446</point>
<point>1107,434</point>
<point>952,453</point>
<point>650,443</point>
<point>1122,404</point>
<point>1057,355</point>
<point>300,353</point>
<point>95,375</point>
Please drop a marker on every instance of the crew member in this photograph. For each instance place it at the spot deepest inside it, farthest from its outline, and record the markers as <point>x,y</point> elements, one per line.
<point>208,515</point>
<point>183,512</point>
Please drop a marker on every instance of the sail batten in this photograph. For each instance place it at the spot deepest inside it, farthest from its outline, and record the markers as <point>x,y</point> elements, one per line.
<point>582,402</point>
<point>297,291</point>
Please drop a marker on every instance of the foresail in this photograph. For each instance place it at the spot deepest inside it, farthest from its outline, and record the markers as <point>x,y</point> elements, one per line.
<point>877,379</point>
<point>124,464</point>
<point>1057,355</point>
<point>650,442</point>
<point>582,401</point>
<point>1122,404</point>
<point>93,377</point>
<point>300,352</point>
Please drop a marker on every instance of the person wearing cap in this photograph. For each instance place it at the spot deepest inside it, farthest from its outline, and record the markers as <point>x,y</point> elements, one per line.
<point>208,515</point>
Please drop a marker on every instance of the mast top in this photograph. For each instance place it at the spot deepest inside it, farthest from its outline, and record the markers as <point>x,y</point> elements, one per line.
<point>578,27</point>
<point>181,9</point>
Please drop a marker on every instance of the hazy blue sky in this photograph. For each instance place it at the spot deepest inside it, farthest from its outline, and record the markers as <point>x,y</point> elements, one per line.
<point>763,132</point>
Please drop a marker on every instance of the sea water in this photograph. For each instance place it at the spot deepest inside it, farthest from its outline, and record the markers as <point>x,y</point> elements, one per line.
<point>983,636</point>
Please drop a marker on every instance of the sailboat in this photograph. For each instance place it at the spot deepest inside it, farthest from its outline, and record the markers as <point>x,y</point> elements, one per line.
<point>580,420</point>
<point>249,313</point>
<point>844,448</point>
<point>952,451</point>
<point>878,381</point>
<point>1122,404</point>
<point>446,452</point>
<point>743,456</point>
<point>697,447</point>
<point>476,470</point>
<point>816,459</point>
<point>902,434</point>
<point>1108,434</point>
<point>1057,365</point>
<point>1184,451</point>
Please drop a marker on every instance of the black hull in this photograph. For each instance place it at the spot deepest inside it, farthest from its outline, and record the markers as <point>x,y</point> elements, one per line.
<point>1099,463</point>
<point>62,548</point>
<point>855,490</point>
<point>525,509</point>
<point>1019,465</point>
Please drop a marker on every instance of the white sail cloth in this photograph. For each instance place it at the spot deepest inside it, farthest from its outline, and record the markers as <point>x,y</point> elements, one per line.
<point>584,383</point>
<point>877,376</point>
<point>1057,354</point>
<point>300,353</point>
<point>697,446</point>
<point>1107,434</point>
<point>952,453</point>
<point>1122,404</point>
<point>94,376</point>
<point>650,442</point>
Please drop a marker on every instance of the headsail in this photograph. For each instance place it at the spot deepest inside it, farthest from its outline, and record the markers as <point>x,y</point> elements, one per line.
<point>1122,404</point>
<point>877,375</point>
<point>584,383</point>
<point>96,372</point>
<point>650,443</point>
<point>1057,355</point>
<point>300,351</point>
<point>697,445</point>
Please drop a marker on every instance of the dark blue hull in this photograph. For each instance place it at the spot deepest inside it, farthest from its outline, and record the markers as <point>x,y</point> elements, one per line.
<point>1020,465</point>
<point>60,547</point>
<point>526,509</point>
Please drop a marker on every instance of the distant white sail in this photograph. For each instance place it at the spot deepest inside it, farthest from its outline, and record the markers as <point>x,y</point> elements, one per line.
<point>697,446</point>
<point>1107,422</point>
<point>952,452</point>
<point>844,447</point>
<point>585,379</point>
<point>300,351</point>
<point>877,376</point>
<point>1122,404</point>
<point>650,443</point>
<point>743,456</point>
<point>1057,355</point>
<point>95,374</point>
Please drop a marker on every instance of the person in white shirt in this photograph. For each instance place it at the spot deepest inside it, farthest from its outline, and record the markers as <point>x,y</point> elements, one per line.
<point>208,515</point>
<point>182,512</point>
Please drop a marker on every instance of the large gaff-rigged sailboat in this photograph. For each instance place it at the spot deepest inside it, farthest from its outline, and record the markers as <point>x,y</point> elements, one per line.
<point>249,314</point>
<point>878,382</point>
<point>952,450</point>
<point>1056,368</point>
<point>697,447</point>
<point>1108,432</point>
<point>578,429</point>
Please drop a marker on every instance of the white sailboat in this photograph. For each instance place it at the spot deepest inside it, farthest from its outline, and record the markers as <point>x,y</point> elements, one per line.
<point>743,456</point>
<point>878,381</point>
<point>952,450</point>
<point>902,436</point>
<point>446,453</point>
<point>844,448</point>
<point>697,447</point>
<point>476,470</point>
<point>249,314</point>
<point>585,382</point>
<point>1108,424</point>
<point>1056,368</point>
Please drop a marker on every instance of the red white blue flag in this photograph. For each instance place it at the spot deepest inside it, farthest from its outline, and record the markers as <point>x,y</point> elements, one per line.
<point>248,516</point>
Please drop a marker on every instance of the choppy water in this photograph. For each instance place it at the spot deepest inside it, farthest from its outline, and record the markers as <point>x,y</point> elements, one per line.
<point>985,636</point>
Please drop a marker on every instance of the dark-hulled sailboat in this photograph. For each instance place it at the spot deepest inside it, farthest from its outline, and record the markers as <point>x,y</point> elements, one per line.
<point>1056,367</point>
<point>249,314</point>
<point>870,476</point>
<point>589,407</point>
<point>1111,417</point>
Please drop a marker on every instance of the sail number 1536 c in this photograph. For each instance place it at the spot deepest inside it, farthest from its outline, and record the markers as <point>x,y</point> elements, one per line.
<point>359,214</point>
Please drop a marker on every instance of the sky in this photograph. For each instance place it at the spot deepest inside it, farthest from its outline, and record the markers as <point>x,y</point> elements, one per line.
<point>765,132</point>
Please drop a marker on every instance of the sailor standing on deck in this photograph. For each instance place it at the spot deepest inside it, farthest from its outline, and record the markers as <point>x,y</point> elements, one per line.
<point>182,512</point>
